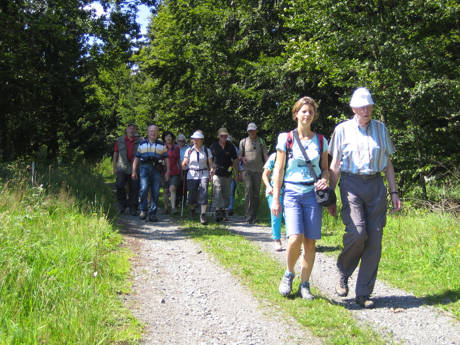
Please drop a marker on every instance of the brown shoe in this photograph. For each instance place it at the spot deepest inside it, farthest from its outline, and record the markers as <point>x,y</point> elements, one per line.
<point>341,288</point>
<point>365,302</point>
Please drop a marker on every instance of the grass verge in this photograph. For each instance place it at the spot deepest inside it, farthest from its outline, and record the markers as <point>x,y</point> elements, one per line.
<point>330,322</point>
<point>61,266</point>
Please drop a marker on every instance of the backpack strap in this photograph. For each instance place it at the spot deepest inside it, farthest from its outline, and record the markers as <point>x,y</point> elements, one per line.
<point>321,145</point>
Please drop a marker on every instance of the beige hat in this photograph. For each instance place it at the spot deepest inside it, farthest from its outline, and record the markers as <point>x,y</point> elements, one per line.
<point>222,131</point>
<point>252,126</point>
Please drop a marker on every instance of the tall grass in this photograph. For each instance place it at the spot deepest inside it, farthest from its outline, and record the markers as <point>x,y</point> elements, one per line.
<point>61,266</point>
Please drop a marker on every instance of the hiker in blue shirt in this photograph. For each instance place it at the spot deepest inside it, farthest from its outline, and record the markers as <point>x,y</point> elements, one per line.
<point>303,215</point>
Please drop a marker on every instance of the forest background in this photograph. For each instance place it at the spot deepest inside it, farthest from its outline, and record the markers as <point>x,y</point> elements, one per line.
<point>72,80</point>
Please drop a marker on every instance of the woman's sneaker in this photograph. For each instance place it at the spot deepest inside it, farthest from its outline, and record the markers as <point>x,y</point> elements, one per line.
<point>304,291</point>
<point>285,287</point>
<point>277,245</point>
<point>203,219</point>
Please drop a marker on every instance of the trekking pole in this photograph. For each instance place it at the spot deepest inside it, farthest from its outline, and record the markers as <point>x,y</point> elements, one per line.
<point>183,195</point>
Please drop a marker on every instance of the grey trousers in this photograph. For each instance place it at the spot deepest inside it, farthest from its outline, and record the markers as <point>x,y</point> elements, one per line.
<point>252,180</point>
<point>364,206</point>
<point>221,189</point>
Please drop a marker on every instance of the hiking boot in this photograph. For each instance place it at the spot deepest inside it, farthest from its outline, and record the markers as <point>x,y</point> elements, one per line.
<point>285,287</point>
<point>224,216</point>
<point>218,216</point>
<point>153,217</point>
<point>365,302</point>
<point>304,291</point>
<point>341,287</point>
<point>230,212</point>
<point>133,212</point>
<point>203,219</point>
<point>143,215</point>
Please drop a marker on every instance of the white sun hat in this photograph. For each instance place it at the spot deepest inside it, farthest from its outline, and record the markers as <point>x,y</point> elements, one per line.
<point>197,135</point>
<point>361,98</point>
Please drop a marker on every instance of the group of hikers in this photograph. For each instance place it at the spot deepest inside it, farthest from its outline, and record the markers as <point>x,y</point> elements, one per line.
<point>298,181</point>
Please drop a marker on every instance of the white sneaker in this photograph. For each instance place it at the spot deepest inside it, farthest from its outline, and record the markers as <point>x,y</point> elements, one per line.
<point>278,246</point>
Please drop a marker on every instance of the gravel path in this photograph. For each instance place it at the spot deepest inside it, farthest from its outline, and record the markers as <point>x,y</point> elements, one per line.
<point>177,295</point>
<point>183,297</point>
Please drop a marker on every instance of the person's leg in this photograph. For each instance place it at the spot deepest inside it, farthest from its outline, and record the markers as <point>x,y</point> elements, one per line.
<point>120,184</point>
<point>256,181</point>
<point>155,182</point>
<point>192,187</point>
<point>375,213</point>
<point>133,195</point>
<point>203,198</point>
<point>247,193</point>
<point>275,220</point>
<point>232,197</point>
<point>217,198</point>
<point>165,194</point>
<point>353,218</point>
<point>308,259</point>
<point>172,192</point>
<point>144,174</point>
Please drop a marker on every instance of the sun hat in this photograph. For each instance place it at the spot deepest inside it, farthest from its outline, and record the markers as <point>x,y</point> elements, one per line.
<point>197,135</point>
<point>180,137</point>
<point>361,98</point>
<point>252,126</point>
<point>222,131</point>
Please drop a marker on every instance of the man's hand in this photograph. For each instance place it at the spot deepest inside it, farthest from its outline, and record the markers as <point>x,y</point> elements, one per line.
<point>396,202</point>
<point>134,176</point>
<point>332,210</point>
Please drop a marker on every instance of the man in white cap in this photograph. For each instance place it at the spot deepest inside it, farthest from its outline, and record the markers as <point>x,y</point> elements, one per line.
<point>199,164</point>
<point>253,154</point>
<point>360,150</point>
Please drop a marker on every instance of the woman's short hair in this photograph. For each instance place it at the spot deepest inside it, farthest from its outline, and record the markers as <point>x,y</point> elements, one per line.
<point>300,103</point>
<point>165,133</point>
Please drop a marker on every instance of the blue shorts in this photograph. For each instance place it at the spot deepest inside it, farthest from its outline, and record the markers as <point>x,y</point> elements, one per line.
<point>302,214</point>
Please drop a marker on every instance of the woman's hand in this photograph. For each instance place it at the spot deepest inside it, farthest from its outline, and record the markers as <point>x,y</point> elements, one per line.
<point>321,184</point>
<point>269,190</point>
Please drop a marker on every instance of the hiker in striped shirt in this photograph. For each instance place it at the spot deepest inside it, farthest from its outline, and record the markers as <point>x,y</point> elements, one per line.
<point>360,150</point>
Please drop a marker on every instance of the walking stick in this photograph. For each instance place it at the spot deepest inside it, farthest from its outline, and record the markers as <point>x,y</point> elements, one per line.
<point>183,195</point>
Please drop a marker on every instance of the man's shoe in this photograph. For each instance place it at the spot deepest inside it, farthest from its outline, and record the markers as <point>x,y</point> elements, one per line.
<point>143,215</point>
<point>304,291</point>
<point>230,212</point>
<point>365,302</point>
<point>285,287</point>
<point>153,218</point>
<point>133,212</point>
<point>218,216</point>
<point>224,216</point>
<point>203,219</point>
<point>341,288</point>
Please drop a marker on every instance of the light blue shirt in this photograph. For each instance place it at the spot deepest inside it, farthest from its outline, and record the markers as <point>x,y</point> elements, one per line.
<point>297,170</point>
<point>360,150</point>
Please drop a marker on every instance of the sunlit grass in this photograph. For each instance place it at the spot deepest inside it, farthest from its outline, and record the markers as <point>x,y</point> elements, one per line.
<point>61,266</point>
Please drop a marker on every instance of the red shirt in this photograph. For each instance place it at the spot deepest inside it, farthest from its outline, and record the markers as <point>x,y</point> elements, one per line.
<point>129,147</point>
<point>174,158</point>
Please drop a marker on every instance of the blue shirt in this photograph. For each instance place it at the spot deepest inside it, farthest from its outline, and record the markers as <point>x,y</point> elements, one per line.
<point>149,152</point>
<point>270,165</point>
<point>297,170</point>
<point>360,150</point>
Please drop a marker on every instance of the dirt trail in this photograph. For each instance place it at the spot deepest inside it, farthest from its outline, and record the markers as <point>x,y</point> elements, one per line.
<point>184,297</point>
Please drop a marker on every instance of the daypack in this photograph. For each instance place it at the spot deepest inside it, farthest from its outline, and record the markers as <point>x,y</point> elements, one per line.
<point>290,143</point>
<point>205,151</point>
<point>262,144</point>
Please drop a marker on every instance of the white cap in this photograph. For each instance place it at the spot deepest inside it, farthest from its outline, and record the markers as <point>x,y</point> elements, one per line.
<point>197,135</point>
<point>361,97</point>
<point>252,126</point>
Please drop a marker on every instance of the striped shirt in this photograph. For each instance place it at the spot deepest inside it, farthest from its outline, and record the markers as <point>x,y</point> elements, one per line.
<point>360,150</point>
<point>149,152</point>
